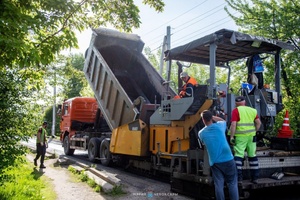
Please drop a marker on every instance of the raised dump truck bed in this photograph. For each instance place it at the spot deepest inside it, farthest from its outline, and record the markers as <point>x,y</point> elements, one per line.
<point>121,77</point>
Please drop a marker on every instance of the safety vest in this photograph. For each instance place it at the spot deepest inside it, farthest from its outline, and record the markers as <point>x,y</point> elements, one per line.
<point>191,81</point>
<point>42,136</point>
<point>246,127</point>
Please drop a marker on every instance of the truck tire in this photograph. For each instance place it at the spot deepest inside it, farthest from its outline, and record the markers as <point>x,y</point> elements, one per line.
<point>67,149</point>
<point>105,155</point>
<point>93,149</point>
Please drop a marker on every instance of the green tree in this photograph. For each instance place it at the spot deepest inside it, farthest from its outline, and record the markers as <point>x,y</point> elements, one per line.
<point>49,118</point>
<point>37,30</point>
<point>73,76</point>
<point>33,33</point>
<point>67,76</point>
<point>277,19</point>
<point>17,113</point>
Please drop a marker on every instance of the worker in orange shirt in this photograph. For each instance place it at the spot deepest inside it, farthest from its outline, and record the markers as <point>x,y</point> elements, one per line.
<point>187,88</point>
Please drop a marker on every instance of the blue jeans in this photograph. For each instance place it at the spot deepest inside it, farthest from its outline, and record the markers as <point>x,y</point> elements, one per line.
<point>225,172</point>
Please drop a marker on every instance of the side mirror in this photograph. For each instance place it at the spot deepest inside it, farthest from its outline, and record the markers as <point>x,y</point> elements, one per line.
<point>59,109</point>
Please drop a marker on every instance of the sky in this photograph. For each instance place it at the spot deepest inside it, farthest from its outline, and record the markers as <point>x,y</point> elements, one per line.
<point>188,20</point>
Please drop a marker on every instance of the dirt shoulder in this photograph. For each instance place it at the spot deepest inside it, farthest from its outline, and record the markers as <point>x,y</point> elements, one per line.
<point>65,185</point>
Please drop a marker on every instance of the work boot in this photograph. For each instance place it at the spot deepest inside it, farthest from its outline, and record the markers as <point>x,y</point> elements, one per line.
<point>34,162</point>
<point>254,169</point>
<point>42,166</point>
<point>239,165</point>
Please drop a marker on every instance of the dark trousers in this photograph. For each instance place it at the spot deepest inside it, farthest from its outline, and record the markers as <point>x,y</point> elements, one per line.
<point>253,164</point>
<point>40,152</point>
<point>225,172</point>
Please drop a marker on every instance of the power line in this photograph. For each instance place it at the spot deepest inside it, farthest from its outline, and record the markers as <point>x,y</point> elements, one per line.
<point>158,38</point>
<point>217,23</point>
<point>201,33</point>
<point>197,33</point>
<point>175,18</point>
<point>201,19</point>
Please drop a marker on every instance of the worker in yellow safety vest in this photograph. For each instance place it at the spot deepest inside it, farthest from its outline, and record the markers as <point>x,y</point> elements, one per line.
<point>244,124</point>
<point>41,145</point>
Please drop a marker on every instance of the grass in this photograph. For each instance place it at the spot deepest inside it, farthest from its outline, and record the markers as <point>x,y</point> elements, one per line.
<point>26,182</point>
<point>116,191</point>
<point>84,178</point>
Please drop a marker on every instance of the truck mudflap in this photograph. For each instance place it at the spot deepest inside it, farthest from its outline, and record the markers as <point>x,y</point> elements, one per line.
<point>121,77</point>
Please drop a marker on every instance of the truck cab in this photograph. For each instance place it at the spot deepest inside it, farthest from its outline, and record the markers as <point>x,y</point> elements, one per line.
<point>78,121</point>
<point>77,114</point>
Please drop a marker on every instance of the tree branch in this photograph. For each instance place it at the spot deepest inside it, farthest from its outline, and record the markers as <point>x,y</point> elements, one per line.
<point>65,22</point>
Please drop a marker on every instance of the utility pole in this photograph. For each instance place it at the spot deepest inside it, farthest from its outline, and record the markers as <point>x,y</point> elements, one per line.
<point>54,106</point>
<point>161,64</point>
<point>169,63</point>
<point>165,46</point>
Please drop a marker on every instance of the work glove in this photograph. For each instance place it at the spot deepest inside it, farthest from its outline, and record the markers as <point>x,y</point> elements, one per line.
<point>232,141</point>
<point>42,143</point>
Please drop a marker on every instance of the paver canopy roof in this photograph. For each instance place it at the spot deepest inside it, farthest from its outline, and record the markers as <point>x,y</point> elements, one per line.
<point>231,45</point>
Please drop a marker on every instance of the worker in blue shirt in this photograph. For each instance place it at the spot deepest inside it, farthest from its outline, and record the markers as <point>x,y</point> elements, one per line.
<point>221,160</point>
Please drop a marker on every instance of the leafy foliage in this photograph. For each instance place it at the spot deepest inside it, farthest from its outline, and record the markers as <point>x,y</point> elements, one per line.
<point>73,76</point>
<point>277,19</point>
<point>15,117</point>
<point>37,30</point>
<point>49,118</point>
<point>67,76</point>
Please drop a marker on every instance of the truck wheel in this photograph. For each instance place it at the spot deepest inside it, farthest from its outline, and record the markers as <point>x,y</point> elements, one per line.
<point>93,149</point>
<point>67,149</point>
<point>105,154</point>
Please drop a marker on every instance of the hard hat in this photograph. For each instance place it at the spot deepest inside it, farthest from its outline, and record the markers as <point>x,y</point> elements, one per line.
<point>183,74</point>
